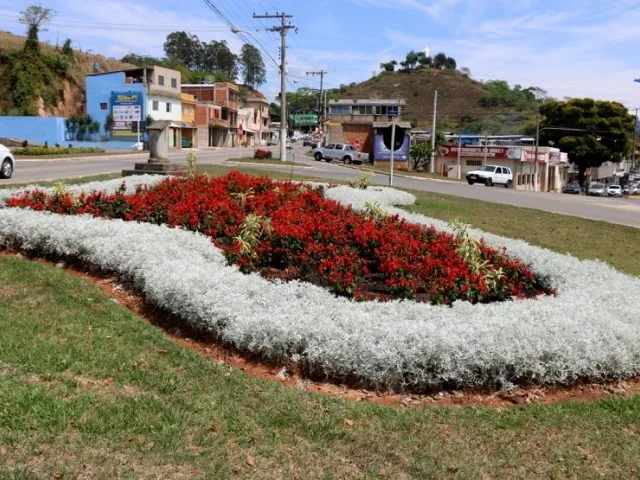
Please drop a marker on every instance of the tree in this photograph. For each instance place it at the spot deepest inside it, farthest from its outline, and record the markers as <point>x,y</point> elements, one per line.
<point>35,17</point>
<point>424,60</point>
<point>606,137</point>
<point>389,66</point>
<point>411,60</point>
<point>67,50</point>
<point>440,61</point>
<point>420,152</point>
<point>465,72</point>
<point>252,65</point>
<point>181,48</point>
<point>450,63</point>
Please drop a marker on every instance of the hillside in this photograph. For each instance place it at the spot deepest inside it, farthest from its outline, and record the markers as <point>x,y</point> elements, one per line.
<point>462,102</point>
<point>68,84</point>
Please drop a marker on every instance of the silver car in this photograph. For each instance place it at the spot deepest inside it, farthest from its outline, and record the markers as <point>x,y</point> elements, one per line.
<point>597,190</point>
<point>7,162</point>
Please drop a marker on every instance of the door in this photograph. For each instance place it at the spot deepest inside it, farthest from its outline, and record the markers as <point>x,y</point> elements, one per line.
<point>336,153</point>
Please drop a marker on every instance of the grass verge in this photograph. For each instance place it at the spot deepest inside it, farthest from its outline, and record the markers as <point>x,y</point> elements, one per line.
<point>87,389</point>
<point>617,245</point>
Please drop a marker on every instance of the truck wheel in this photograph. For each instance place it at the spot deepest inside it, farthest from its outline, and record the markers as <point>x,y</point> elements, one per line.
<point>318,156</point>
<point>7,169</point>
<point>488,182</point>
<point>508,184</point>
<point>470,182</point>
<point>347,160</point>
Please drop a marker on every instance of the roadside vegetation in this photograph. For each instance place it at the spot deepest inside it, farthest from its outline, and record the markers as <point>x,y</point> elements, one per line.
<point>54,151</point>
<point>89,389</point>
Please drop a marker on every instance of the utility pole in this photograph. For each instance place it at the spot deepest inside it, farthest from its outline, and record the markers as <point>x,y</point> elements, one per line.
<point>322,73</point>
<point>282,29</point>
<point>433,133</point>
<point>635,141</point>
<point>535,153</point>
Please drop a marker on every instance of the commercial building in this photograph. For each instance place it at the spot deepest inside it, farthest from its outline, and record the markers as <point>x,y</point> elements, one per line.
<point>121,101</point>
<point>368,122</point>
<point>549,172</point>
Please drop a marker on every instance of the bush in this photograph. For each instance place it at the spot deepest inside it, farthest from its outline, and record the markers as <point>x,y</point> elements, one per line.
<point>37,151</point>
<point>260,154</point>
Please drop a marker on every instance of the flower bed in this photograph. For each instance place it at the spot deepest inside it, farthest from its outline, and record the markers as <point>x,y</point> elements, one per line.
<point>262,154</point>
<point>290,231</point>
<point>588,331</point>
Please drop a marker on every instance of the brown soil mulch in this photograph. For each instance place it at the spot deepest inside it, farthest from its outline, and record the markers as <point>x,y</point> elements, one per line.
<point>288,375</point>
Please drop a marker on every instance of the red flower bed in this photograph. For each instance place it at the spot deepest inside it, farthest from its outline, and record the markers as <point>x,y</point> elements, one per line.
<point>262,154</point>
<point>301,235</point>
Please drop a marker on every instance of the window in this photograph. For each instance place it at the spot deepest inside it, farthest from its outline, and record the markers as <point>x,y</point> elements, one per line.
<point>392,111</point>
<point>340,109</point>
<point>363,110</point>
<point>330,147</point>
<point>381,110</point>
<point>174,83</point>
<point>474,163</point>
<point>168,107</point>
<point>499,171</point>
<point>161,80</point>
<point>103,106</point>
<point>338,147</point>
<point>156,105</point>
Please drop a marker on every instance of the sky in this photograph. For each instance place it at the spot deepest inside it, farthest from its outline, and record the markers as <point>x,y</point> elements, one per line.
<point>571,48</point>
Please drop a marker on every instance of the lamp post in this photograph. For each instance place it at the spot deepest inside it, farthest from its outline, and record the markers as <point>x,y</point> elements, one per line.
<point>635,134</point>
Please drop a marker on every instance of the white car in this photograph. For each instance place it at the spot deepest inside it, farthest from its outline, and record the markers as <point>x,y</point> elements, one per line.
<point>491,174</point>
<point>615,191</point>
<point>7,162</point>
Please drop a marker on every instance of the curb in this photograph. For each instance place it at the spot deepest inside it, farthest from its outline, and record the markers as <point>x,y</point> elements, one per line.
<point>267,164</point>
<point>413,177</point>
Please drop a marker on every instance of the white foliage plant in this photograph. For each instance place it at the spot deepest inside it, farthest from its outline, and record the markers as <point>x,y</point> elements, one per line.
<point>589,331</point>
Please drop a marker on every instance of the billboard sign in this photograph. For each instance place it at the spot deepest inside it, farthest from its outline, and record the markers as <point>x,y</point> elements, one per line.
<point>479,152</point>
<point>126,108</point>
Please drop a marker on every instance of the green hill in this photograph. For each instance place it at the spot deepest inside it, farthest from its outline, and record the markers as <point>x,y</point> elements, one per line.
<point>463,103</point>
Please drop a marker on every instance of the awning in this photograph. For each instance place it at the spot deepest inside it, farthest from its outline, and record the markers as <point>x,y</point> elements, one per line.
<point>406,125</point>
<point>181,125</point>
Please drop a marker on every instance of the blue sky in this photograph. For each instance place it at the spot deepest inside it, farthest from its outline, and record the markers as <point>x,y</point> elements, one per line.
<point>570,48</point>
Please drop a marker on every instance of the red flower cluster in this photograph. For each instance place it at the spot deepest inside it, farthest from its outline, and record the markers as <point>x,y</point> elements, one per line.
<point>262,154</point>
<point>309,238</point>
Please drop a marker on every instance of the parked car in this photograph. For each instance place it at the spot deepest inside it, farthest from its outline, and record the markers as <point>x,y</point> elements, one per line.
<point>345,152</point>
<point>289,145</point>
<point>186,143</point>
<point>7,162</point>
<point>614,191</point>
<point>626,190</point>
<point>573,188</point>
<point>309,143</point>
<point>596,190</point>
<point>491,174</point>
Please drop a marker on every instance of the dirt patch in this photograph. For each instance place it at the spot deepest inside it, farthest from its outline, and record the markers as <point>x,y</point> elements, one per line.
<point>290,375</point>
<point>100,386</point>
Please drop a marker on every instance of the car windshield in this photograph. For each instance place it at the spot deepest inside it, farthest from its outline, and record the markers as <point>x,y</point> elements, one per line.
<point>614,187</point>
<point>487,168</point>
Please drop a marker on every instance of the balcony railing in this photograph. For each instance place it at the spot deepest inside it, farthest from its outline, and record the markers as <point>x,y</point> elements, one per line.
<point>218,122</point>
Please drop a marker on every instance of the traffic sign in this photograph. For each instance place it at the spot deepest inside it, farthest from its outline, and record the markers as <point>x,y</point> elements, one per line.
<point>316,137</point>
<point>356,143</point>
<point>321,132</point>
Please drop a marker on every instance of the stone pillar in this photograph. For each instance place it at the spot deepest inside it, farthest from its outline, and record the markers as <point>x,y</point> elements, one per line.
<point>158,145</point>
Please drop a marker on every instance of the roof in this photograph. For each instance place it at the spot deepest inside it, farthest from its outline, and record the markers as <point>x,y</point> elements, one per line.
<point>369,101</point>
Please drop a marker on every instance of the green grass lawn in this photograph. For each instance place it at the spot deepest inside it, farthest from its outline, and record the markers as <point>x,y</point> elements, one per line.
<point>588,239</point>
<point>89,390</point>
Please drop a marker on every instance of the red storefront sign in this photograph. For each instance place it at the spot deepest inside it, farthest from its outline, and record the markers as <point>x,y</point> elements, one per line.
<point>479,151</point>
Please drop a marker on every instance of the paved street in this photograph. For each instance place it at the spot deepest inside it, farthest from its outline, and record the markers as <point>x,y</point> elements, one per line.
<point>615,210</point>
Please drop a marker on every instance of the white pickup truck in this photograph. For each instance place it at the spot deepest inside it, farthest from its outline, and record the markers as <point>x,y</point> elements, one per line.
<point>339,151</point>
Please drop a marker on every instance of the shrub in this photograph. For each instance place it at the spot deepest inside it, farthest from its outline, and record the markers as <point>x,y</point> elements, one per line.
<point>261,154</point>
<point>37,151</point>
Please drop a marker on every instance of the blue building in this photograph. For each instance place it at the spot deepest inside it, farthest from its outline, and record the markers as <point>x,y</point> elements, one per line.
<point>131,95</point>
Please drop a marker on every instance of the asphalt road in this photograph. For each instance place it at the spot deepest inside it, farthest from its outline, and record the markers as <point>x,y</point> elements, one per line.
<point>614,210</point>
